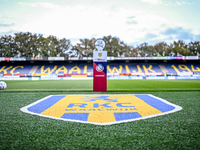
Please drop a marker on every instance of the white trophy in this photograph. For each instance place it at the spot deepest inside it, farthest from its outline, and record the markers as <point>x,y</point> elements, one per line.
<point>100,44</point>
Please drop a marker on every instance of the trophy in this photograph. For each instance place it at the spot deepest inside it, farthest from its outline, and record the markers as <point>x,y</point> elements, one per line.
<point>100,44</point>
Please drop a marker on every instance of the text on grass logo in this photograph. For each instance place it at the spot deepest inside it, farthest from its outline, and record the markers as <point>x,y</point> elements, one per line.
<point>101,109</point>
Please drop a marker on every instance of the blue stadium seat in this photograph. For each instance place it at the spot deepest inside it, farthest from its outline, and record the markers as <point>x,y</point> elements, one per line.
<point>88,68</point>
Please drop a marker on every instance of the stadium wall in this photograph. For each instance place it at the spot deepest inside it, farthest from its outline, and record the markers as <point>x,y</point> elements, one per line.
<point>118,68</point>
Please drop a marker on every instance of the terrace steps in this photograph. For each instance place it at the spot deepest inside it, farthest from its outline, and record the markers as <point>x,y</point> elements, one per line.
<point>163,68</point>
<point>33,70</point>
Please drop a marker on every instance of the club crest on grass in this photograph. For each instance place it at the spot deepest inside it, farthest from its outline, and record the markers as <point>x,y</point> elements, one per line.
<point>101,109</point>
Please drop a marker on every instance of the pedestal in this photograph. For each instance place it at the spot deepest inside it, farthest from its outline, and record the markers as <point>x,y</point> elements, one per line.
<point>100,71</point>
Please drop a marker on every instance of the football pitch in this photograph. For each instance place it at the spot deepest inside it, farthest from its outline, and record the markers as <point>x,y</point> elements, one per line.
<point>178,130</point>
<point>112,85</point>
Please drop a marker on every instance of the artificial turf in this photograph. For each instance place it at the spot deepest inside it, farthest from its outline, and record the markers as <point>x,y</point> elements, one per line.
<point>112,85</point>
<point>179,130</point>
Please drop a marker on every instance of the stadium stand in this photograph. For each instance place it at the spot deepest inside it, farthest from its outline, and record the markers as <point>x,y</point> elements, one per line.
<point>62,69</point>
<point>127,68</point>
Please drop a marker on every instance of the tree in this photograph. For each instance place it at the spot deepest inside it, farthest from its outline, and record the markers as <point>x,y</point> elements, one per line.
<point>44,49</point>
<point>143,49</point>
<point>112,46</point>
<point>108,44</point>
<point>180,48</point>
<point>194,48</point>
<point>24,44</point>
<point>33,45</point>
<point>125,50</point>
<point>161,49</point>
<point>64,47</point>
<point>52,46</point>
<point>86,47</point>
<point>8,47</point>
<point>75,52</point>
<point>133,52</point>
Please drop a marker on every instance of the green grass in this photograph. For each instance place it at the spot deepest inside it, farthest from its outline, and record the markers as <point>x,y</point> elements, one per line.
<point>112,85</point>
<point>179,130</point>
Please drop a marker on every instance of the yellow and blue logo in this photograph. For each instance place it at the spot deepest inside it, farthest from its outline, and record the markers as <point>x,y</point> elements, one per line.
<point>99,54</point>
<point>101,109</point>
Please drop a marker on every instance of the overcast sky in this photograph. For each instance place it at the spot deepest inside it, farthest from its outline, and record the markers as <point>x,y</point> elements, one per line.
<point>133,21</point>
